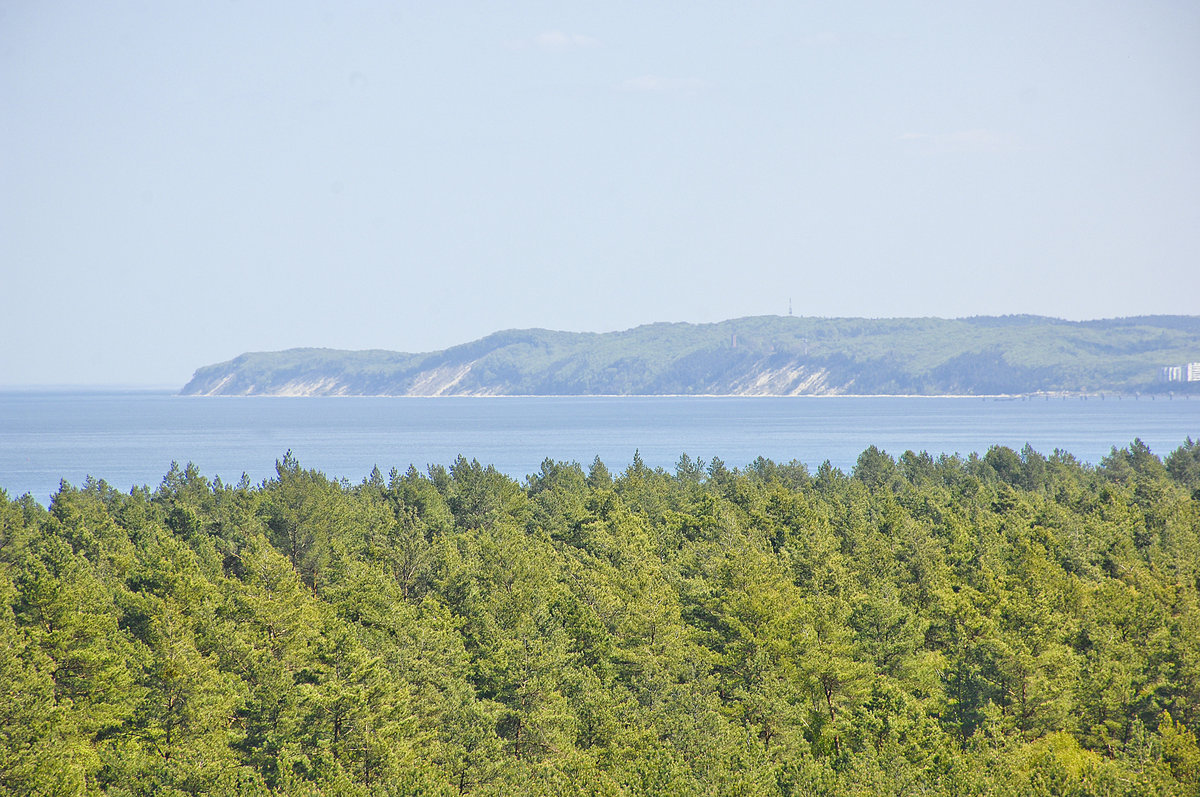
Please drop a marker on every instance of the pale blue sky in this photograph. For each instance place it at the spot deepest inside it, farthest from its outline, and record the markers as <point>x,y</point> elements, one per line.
<point>181,182</point>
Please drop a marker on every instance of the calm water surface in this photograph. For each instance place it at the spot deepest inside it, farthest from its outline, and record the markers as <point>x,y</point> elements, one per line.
<point>131,438</point>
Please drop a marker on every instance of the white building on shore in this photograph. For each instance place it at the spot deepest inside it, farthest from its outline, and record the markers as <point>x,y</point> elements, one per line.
<point>1180,373</point>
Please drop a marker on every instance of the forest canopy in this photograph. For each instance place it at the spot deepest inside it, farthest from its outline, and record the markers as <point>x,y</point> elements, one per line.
<point>1011,623</point>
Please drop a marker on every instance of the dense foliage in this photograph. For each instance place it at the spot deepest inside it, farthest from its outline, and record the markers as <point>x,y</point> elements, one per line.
<point>769,355</point>
<point>1008,624</point>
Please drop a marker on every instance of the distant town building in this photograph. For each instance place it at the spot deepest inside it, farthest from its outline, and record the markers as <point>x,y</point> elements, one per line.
<point>1180,373</point>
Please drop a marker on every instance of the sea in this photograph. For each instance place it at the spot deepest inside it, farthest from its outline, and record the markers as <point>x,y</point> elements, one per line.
<point>130,438</point>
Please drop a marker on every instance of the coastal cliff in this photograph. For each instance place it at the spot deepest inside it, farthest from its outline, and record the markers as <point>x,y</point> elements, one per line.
<point>763,355</point>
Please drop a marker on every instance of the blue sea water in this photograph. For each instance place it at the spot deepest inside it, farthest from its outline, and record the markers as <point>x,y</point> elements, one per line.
<point>130,438</point>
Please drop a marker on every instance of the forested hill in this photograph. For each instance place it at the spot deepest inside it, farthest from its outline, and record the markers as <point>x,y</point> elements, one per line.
<point>763,355</point>
<point>1002,625</point>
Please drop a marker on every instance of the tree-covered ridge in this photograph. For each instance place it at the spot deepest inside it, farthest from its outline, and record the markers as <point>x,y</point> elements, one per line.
<point>764,355</point>
<point>1011,624</point>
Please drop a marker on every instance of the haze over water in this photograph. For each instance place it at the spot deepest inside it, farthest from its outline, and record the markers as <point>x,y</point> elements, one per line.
<point>130,438</point>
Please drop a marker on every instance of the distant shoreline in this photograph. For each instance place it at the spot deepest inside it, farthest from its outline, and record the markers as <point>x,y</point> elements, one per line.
<point>175,393</point>
<point>984,396</point>
<point>772,356</point>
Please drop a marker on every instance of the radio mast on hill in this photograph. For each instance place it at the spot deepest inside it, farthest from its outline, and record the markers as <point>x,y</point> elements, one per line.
<point>789,305</point>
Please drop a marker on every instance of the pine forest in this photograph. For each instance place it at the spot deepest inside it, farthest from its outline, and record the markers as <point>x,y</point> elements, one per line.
<point>1016,623</point>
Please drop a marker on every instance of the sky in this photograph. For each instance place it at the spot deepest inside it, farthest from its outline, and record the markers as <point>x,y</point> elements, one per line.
<point>183,182</point>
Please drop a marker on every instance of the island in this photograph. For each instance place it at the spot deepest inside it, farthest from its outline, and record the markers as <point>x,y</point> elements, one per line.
<point>754,356</point>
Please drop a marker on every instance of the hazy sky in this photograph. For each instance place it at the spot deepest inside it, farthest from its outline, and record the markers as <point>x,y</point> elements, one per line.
<point>181,182</point>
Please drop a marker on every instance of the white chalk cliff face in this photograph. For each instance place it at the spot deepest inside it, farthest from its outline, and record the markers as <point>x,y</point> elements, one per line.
<point>441,381</point>
<point>793,379</point>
